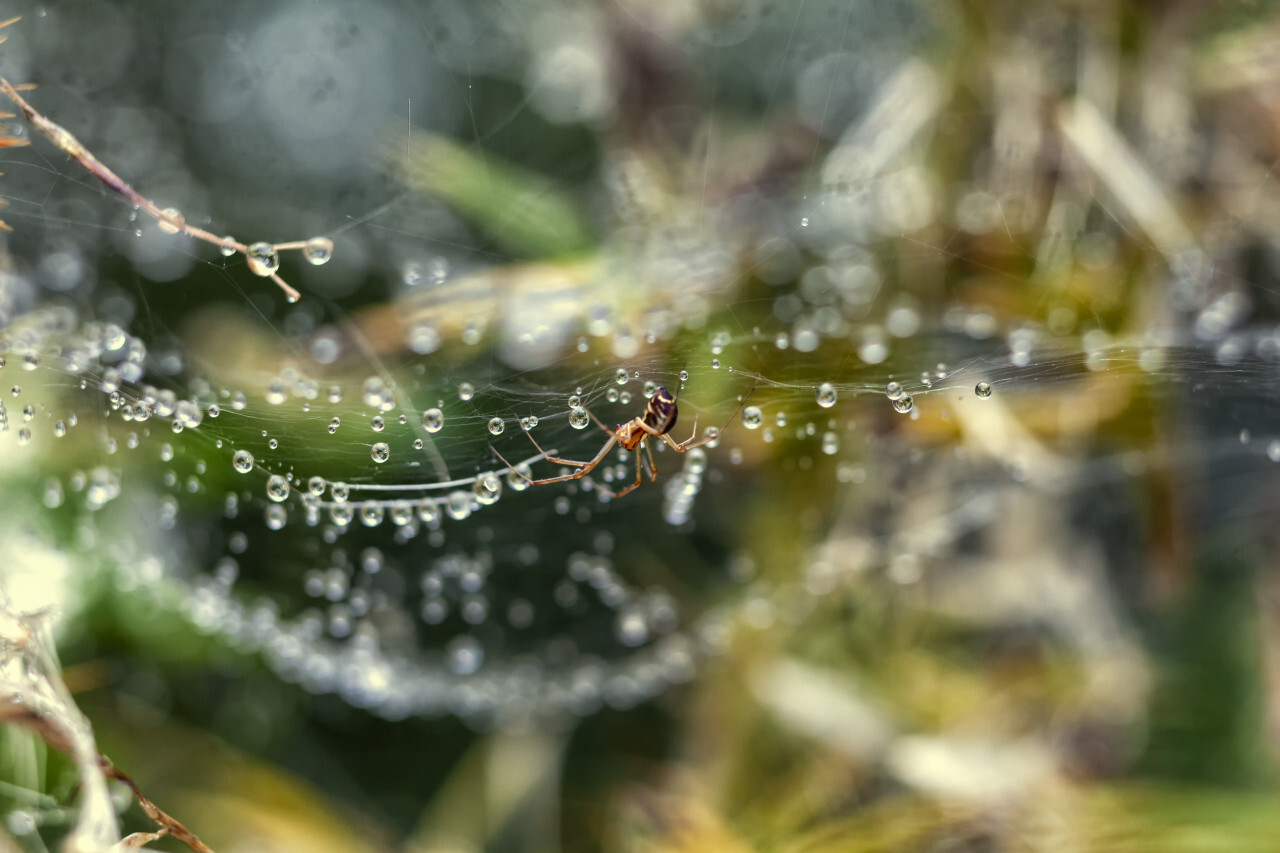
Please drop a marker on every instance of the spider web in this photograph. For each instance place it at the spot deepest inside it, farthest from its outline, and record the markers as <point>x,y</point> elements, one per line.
<point>502,264</point>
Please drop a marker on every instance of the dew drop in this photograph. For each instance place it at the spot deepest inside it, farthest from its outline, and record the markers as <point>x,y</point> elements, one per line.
<point>380,452</point>
<point>340,492</point>
<point>433,420</point>
<point>316,486</point>
<point>318,250</point>
<point>621,376</point>
<point>752,417</point>
<point>242,461</point>
<point>488,488</point>
<point>172,220</point>
<point>827,395</point>
<point>496,426</point>
<point>275,516</point>
<point>466,391</point>
<point>378,423</point>
<point>401,513</point>
<point>428,511</point>
<point>517,478</point>
<point>903,404</point>
<point>458,505</point>
<point>263,259</point>
<point>228,250</point>
<point>371,513</point>
<point>578,418</point>
<point>830,443</point>
<point>529,423</point>
<point>894,391</point>
<point>277,488</point>
<point>982,390</point>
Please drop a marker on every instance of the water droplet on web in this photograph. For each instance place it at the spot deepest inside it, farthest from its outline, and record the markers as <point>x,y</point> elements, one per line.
<point>466,391</point>
<point>684,376</point>
<point>903,404</point>
<point>227,251</point>
<point>496,426</point>
<point>982,390</point>
<point>340,492</point>
<point>715,364</point>
<point>277,488</point>
<point>316,486</point>
<point>830,443</point>
<point>611,395</point>
<point>624,398</point>
<point>894,391</point>
<point>465,655</point>
<point>437,271</point>
<point>263,259</point>
<point>1273,450</point>
<point>424,339</point>
<point>458,505</point>
<point>517,478</point>
<point>318,250</point>
<point>650,388</point>
<point>488,488</point>
<point>621,376</point>
<point>172,222</point>
<point>242,461</point>
<point>380,452</point>
<point>411,273</point>
<point>428,511</point>
<point>277,393</point>
<point>371,513</point>
<point>529,423</point>
<point>401,513</point>
<point>275,516</point>
<point>940,371</point>
<point>578,418</point>
<point>826,395</point>
<point>334,423</point>
<point>433,420</point>
<point>378,423</point>
<point>752,417</point>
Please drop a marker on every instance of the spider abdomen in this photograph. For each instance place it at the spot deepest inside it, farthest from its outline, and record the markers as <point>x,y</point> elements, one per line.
<point>660,414</point>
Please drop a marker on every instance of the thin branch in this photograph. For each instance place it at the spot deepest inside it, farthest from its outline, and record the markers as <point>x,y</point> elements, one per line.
<point>263,258</point>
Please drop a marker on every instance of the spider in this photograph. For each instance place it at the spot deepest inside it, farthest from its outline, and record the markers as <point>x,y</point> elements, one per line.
<point>657,421</point>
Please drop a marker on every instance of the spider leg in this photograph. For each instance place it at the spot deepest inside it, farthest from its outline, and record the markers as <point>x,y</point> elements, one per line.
<point>558,460</point>
<point>584,468</point>
<point>653,467</point>
<point>693,440</point>
<point>629,489</point>
<point>599,422</point>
